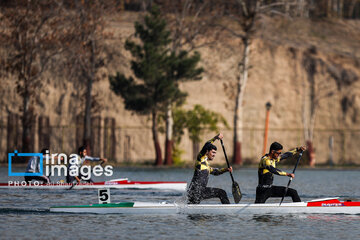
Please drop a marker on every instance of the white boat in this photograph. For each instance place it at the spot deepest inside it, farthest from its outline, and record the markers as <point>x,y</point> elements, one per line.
<point>122,183</point>
<point>323,206</point>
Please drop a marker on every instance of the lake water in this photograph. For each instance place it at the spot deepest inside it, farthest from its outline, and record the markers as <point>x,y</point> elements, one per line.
<point>24,213</point>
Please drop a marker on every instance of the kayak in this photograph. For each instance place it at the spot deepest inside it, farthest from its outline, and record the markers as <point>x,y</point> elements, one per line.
<point>122,183</point>
<point>317,206</point>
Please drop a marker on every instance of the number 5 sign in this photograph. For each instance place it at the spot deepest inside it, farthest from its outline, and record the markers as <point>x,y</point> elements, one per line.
<point>104,196</point>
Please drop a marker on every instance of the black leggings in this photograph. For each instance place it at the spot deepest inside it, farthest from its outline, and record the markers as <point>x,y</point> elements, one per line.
<point>71,179</point>
<point>43,179</point>
<point>195,196</point>
<point>263,193</point>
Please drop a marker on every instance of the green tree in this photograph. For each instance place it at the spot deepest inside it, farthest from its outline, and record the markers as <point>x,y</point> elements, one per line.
<point>196,121</point>
<point>190,24</point>
<point>200,119</point>
<point>182,68</point>
<point>157,70</point>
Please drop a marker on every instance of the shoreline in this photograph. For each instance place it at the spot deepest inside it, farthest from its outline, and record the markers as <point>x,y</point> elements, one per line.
<point>190,166</point>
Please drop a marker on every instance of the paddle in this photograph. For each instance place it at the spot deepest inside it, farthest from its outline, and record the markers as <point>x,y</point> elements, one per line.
<point>287,187</point>
<point>235,186</point>
<point>74,184</point>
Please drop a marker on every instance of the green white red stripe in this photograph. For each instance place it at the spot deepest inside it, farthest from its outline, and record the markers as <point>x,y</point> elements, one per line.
<point>319,206</point>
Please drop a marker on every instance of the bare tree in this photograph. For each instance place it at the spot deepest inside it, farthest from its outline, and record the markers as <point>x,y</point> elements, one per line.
<point>337,8</point>
<point>246,13</point>
<point>188,21</point>
<point>319,86</point>
<point>352,7</point>
<point>31,35</point>
<point>87,54</point>
<point>315,90</point>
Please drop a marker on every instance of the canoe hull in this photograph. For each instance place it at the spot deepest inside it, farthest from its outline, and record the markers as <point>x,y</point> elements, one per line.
<point>173,208</point>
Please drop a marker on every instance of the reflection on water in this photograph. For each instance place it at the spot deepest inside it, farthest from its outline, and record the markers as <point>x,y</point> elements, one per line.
<point>200,218</point>
<point>275,219</point>
<point>332,217</point>
<point>5,211</point>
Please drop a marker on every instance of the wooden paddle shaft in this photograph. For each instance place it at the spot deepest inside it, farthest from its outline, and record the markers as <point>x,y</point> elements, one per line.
<point>227,161</point>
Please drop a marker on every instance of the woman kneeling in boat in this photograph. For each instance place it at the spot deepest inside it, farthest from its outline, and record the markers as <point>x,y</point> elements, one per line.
<point>34,167</point>
<point>197,190</point>
<point>76,166</point>
<point>267,169</point>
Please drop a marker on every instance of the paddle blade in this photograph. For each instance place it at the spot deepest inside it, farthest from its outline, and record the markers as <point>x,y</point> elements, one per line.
<point>72,186</point>
<point>236,192</point>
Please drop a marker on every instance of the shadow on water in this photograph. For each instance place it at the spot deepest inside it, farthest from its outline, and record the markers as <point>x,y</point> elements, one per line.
<point>206,218</point>
<point>4,211</point>
<point>23,211</point>
<point>276,220</point>
<point>269,219</point>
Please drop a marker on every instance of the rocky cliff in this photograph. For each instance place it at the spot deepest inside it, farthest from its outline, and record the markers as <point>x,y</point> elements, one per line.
<point>292,61</point>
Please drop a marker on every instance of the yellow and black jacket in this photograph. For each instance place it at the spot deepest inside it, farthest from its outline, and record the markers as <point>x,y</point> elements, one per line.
<point>203,169</point>
<point>267,168</point>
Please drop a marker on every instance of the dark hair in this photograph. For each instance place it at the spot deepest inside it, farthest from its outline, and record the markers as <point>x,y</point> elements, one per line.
<point>43,151</point>
<point>81,149</point>
<point>276,146</point>
<point>210,147</point>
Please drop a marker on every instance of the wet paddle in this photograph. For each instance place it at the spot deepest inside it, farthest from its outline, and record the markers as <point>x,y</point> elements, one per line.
<point>73,185</point>
<point>287,187</point>
<point>76,183</point>
<point>235,186</point>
